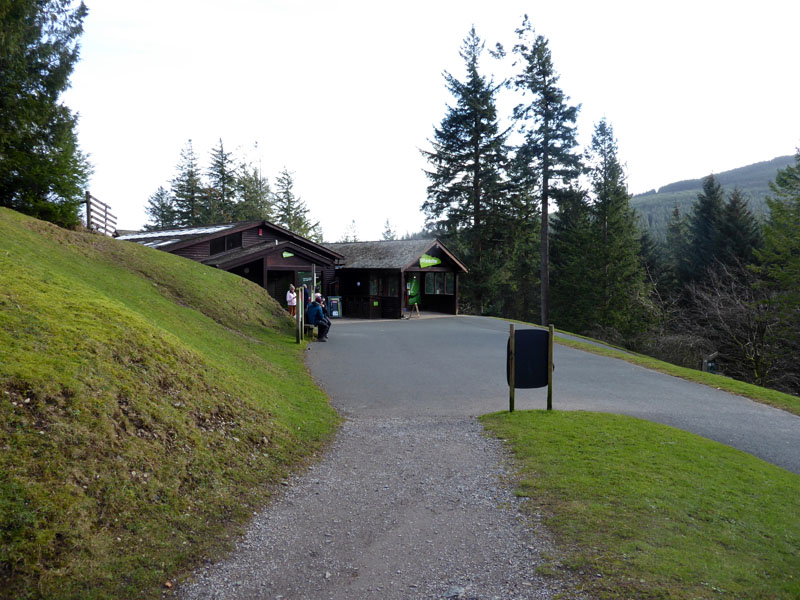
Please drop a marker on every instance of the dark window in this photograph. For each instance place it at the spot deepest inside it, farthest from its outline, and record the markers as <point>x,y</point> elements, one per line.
<point>429,282</point>
<point>440,283</point>
<point>228,242</point>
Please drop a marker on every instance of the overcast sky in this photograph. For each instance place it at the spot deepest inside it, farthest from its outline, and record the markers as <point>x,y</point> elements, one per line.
<point>345,94</point>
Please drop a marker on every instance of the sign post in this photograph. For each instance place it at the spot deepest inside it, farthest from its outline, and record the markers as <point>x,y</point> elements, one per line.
<point>299,315</point>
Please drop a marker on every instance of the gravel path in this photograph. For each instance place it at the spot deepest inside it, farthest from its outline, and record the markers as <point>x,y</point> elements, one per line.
<point>397,508</point>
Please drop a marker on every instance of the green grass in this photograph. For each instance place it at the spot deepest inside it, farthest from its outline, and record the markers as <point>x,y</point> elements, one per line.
<point>148,405</point>
<point>641,510</point>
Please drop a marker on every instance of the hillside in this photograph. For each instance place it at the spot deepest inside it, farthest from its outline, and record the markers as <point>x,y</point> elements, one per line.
<point>655,207</point>
<point>148,404</point>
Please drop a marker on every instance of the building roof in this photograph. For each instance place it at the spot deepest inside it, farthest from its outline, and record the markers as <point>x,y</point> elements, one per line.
<point>166,237</point>
<point>388,254</point>
<point>170,240</point>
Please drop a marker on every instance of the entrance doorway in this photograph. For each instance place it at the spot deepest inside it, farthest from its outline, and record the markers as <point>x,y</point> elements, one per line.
<point>278,284</point>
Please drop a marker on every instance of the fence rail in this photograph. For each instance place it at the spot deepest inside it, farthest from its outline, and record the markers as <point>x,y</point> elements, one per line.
<point>99,217</point>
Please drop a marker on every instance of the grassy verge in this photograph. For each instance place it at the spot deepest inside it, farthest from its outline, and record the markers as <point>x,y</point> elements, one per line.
<point>642,510</point>
<point>148,405</point>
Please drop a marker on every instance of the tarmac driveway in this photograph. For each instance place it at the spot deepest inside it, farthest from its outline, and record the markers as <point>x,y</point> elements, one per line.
<point>455,366</point>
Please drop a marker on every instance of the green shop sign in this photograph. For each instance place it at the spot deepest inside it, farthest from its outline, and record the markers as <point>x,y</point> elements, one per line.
<point>429,261</point>
<point>287,254</point>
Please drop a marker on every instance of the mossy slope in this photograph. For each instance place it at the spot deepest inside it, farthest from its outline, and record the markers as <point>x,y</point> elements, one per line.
<point>147,405</point>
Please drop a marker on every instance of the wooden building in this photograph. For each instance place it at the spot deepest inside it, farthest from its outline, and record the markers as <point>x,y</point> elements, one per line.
<point>264,253</point>
<point>374,278</point>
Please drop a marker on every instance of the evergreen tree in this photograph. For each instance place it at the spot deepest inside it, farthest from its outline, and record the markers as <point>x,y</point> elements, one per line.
<point>677,250</point>
<point>190,200</point>
<point>161,210</point>
<point>43,173</point>
<point>780,255</point>
<point>740,232</point>
<point>704,231</point>
<point>466,192</point>
<point>350,233</point>
<point>290,211</point>
<point>255,196</point>
<point>389,232</point>
<point>222,179</point>
<point>550,135</point>
<point>618,278</point>
<point>574,302</point>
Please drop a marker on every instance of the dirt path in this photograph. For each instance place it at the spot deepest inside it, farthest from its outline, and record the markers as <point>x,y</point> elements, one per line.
<point>398,508</point>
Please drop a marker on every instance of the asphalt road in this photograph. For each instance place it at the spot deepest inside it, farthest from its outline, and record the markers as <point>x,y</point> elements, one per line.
<point>455,366</point>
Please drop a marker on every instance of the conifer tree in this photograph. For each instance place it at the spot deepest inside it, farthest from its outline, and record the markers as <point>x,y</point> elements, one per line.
<point>703,230</point>
<point>222,179</point>
<point>190,201</point>
<point>255,196</point>
<point>161,210</point>
<point>677,250</point>
<point>574,302</point>
<point>290,211</point>
<point>43,172</point>
<point>389,232</point>
<point>740,232</point>
<point>548,122</point>
<point>466,193</point>
<point>780,255</point>
<point>618,278</point>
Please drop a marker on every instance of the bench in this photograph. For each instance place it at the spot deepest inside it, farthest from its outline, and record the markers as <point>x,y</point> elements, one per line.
<point>308,330</point>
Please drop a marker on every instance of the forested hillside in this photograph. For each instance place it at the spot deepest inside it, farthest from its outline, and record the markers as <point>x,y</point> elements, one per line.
<point>148,404</point>
<point>654,208</point>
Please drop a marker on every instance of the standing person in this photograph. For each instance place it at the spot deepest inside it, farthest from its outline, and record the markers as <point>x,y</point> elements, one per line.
<point>291,300</point>
<point>315,316</point>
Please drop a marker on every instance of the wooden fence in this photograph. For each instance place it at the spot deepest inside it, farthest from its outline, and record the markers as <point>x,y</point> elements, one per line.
<point>99,217</point>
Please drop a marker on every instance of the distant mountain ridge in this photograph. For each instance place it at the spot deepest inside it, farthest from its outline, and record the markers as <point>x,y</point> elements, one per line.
<point>655,207</point>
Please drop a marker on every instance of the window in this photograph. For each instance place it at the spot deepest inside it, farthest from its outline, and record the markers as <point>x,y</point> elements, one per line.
<point>229,242</point>
<point>440,283</point>
<point>430,283</point>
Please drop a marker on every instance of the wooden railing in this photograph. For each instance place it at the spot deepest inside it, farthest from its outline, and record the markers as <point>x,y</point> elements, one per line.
<point>99,217</point>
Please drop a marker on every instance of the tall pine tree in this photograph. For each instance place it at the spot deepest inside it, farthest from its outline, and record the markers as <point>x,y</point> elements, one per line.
<point>43,173</point>
<point>466,193</point>
<point>190,199</point>
<point>618,277</point>
<point>548,122</point>
<point>704,233</point>
<point>255,196</point>
<point>222,179</point>
<point>161,210</point>
<point>290,211</point>
<point>740,232</point>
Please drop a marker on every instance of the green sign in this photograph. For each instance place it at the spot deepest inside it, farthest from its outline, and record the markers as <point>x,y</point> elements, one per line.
<point>427,260</point>
<point>287,254</point>
<point>413,291</point>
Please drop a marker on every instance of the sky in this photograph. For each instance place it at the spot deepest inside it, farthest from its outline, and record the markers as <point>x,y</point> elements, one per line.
<point>345,94</point>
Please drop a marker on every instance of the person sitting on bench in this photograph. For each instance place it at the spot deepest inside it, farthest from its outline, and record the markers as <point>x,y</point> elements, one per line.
<point>317,317</point>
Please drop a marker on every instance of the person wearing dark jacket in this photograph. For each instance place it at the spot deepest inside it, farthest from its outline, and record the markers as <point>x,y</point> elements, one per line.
<point>316,316</point>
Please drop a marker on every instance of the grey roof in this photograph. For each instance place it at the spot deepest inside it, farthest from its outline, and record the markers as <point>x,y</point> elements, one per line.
<point>390,254</point>
<point>165,237</point>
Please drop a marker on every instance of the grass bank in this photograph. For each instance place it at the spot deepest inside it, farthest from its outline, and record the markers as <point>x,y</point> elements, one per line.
<point>148,405</point>
<point>641,510</point>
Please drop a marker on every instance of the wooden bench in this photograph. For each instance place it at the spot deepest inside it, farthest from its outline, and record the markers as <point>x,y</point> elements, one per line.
<point>308,330</point>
